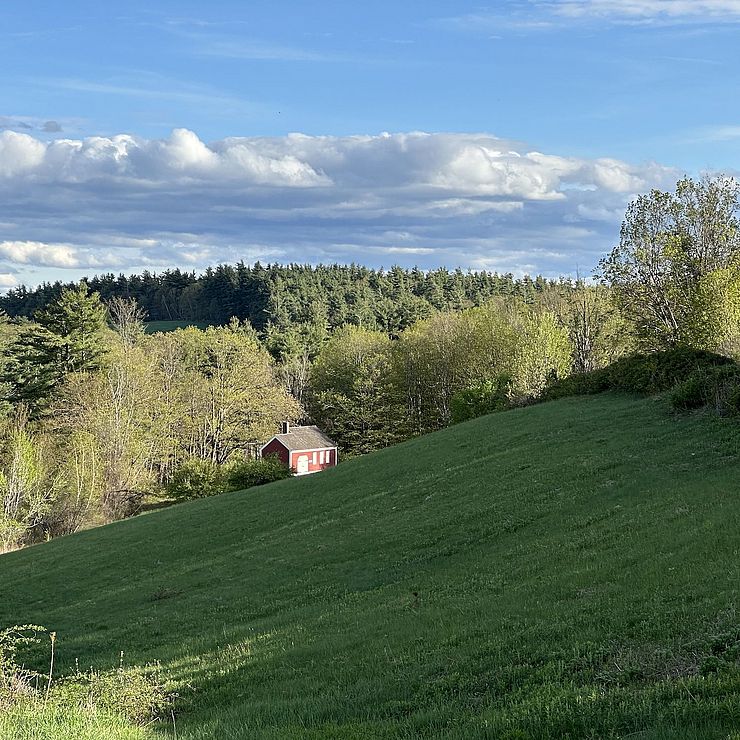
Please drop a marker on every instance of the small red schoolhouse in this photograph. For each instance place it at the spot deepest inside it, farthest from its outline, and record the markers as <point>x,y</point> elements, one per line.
<point>303,449</point>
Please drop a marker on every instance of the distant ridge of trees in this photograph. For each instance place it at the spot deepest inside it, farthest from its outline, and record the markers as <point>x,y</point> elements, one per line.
<point>275,297</point>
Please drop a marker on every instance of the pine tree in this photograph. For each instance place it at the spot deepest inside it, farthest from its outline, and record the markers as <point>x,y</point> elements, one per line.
<point>67,338</point>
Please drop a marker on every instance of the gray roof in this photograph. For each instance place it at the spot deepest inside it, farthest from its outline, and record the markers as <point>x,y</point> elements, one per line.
<point>304,438</point>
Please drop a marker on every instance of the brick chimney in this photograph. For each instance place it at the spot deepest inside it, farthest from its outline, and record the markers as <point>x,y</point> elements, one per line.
<point>284,427</point>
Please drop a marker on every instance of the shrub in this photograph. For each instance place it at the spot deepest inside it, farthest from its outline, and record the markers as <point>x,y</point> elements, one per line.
<point>247,473</point>
<point>200,478</point>
<point>196,479</point>
<point>134,693</point>
<point>481,399</point>
<point>16,682</point>
<point>642,373</point>
<point>691,394</point>
<point>661,371</point>
<point>579,384</point>
<point>717,388</point>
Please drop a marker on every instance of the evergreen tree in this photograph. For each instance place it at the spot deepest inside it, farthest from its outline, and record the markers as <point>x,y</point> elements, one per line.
<point>68,338</point>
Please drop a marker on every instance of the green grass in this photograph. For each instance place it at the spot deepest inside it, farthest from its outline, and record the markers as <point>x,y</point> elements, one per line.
<point>164,326</point>
<point>568,570</point>
<point>52,722</point>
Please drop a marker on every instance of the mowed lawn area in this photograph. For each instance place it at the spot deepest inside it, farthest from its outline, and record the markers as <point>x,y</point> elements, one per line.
<point>568,570</point>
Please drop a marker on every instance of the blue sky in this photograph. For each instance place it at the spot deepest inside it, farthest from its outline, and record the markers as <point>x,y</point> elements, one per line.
<point>507,136</point>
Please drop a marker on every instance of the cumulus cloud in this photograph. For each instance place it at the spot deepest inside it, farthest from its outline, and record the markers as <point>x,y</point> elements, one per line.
<point>54,255</point>
<point>19,153</point>
<point>473,200</point>
<point>157,160</point>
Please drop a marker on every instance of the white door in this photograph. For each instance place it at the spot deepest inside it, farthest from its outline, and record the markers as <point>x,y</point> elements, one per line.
<point>302,465</point>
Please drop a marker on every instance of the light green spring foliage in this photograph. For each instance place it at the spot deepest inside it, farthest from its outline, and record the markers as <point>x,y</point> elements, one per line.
<point>674,249</point>
<point>439,356</point>
<point>370,391</point>
<point>111,420</point>
<point>565,570</point>
<point>353,397</point>
<point>82,473</point>
<point>715,319</point>
<point>222,389</point>
<point>117,432</point>
<point>27,489</point>
<point>543,354</point>
<point>189,394</point>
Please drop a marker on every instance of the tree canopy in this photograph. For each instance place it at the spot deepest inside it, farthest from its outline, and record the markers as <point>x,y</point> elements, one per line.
<point>66,338</point>
<point>674,250</point>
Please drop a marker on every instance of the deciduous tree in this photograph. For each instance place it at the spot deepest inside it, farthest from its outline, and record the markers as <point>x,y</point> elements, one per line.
<point>670,245</point>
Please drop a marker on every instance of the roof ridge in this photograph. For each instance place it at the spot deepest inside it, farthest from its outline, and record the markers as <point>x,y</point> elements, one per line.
<point>309,436</point>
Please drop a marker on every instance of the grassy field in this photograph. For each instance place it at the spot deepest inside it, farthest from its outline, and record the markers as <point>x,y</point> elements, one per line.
<point>152,327</point>
<point>568,570</point>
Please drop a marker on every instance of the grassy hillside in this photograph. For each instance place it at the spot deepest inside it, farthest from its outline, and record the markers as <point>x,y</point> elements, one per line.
<point>565,570</point>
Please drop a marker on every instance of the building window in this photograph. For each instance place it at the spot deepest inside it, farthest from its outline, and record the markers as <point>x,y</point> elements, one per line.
<point>321,457</point>
<point>314,459</point>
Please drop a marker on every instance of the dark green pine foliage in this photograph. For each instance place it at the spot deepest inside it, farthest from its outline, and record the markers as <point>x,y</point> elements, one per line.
<point>67,338</point>
<point>295,307</point>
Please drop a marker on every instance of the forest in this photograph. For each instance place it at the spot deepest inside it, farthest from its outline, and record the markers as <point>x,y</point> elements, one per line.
<point>100,418</point>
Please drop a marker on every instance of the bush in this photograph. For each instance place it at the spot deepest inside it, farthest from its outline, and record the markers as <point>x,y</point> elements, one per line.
<point>200,478</point>
<point>134,693</point>
<point>16,681</point>
<point>717,388</point>
<point>196,479</point>
<point>661,371</point>
<point>579,384</point>
<point>481,399</point>
<point>691,394</point>
<point>643,373</point>
<point>247,473</point>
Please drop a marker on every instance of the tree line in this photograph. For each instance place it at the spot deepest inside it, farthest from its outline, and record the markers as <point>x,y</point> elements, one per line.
<point>273,298</point>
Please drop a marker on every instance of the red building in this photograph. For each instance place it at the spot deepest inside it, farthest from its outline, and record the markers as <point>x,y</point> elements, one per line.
<point>303,449</point>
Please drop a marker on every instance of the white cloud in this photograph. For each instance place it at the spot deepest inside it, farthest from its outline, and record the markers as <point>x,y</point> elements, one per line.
<point>19,153</point>
<point>54,255</point>
<point>720,133</point>
<point>645,9</point>
<point>543,15</point>
<point>125,202</point>
<point>36,253</point>
<point>157,160</point>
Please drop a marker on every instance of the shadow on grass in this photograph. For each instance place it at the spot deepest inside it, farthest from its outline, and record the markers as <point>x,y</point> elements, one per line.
<point>157,505</point>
